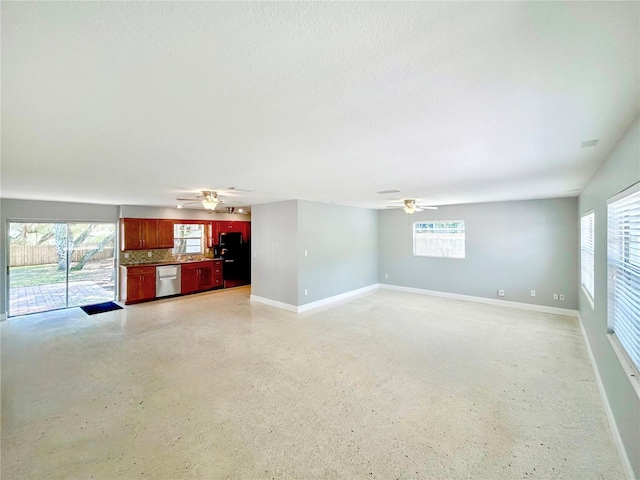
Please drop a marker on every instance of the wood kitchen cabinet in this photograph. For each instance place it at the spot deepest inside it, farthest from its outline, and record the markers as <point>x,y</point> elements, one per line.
<point>217,278</point>
<point>220,226</point>
<point>165,233</point>
<point>137,284</point>
<point>131,233</point>
<point>146,233</point>
<point>246,232</point>
<point>197,277</point>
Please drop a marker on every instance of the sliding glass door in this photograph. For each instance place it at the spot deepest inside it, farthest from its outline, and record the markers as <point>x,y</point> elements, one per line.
<point>59,265</point>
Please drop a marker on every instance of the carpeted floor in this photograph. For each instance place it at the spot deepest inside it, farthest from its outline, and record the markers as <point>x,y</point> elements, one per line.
<point>388,385</point>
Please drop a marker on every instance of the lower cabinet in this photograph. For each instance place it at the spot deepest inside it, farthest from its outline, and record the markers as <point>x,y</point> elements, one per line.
<point>137,284</point>
<point>200,276</point>
<point>218,281</point>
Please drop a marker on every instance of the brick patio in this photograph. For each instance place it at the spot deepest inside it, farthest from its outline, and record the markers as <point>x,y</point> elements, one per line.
<point>40,298</point>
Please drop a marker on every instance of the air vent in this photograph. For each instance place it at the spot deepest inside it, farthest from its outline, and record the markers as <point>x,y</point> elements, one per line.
<point>589,143</point>
<point>384,192</point>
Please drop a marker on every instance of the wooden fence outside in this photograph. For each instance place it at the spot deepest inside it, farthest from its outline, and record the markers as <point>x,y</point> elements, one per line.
<point>22,255</point>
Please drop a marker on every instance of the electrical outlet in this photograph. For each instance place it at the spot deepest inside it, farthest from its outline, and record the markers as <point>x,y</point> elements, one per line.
<point>501,293</point>
<point>126,254</point>
<point>305,253</point>
<point>149,254</point>
<point>561,297</point>
<point>255,254</point>
<point>533,293</point>
<point>305,291</point>
<point>555,296</point>
<point>386,275</point>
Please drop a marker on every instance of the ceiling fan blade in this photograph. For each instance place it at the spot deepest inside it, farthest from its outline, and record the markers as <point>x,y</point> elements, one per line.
<point>189,199</point>
<point>421,207</point>
<point>238,189</point>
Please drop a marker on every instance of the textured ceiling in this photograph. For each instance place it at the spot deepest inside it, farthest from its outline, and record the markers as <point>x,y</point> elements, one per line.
<point>140,103</point>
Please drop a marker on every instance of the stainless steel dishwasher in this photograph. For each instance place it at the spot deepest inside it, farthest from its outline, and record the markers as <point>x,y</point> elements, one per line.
<point>168,280</point>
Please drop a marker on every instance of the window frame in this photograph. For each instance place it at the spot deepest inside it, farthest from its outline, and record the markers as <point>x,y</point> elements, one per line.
<point>590,294</point>
<point>631,366</point>
<point>442,252</point>
<point>178,226</point>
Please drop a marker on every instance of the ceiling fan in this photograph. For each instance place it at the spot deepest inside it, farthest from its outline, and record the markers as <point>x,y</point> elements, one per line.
<point>410,206</point>
<point>208,199</point>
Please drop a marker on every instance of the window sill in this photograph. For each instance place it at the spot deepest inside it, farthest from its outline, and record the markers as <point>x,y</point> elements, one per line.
<point>586,294</point>
<point>629,368</point>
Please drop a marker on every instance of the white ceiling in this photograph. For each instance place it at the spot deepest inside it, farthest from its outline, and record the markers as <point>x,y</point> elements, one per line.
<point>139,103</point>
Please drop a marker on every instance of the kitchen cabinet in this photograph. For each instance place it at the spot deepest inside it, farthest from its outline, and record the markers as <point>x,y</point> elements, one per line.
<point>137,284</point>
<point>246,231</point>
<point>146,233</point>
<point>131,233</point>
<point>165,234</point>
<point>197,277</point>
<point>220,226</point>
<point>217,279</point>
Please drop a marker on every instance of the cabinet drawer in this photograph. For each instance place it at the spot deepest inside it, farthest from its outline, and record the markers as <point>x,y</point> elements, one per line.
<point>141,271</point>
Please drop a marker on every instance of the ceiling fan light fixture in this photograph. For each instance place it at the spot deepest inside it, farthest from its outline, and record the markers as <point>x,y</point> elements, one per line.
<point>210,200</point>
<point>210,205</point>
<point>410,206</point>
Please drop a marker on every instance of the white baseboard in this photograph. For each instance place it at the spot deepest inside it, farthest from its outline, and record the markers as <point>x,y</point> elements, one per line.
<point>455,296</point>
<point>617,439</point>
<point>273,303</point>
<point>489,301</point>
<point>336,298</point>
<point>312,305</point>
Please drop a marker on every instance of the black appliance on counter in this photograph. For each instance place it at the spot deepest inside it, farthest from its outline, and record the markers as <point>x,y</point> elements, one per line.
<point>236,269</point>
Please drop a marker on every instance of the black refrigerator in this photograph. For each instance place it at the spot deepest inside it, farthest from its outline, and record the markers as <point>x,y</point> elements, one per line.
<point>236,268</point>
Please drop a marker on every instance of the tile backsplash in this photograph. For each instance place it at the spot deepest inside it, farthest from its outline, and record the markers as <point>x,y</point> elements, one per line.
<point>158,256</point>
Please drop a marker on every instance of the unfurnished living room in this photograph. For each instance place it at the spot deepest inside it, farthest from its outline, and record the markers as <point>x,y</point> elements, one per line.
<point>320,240</point>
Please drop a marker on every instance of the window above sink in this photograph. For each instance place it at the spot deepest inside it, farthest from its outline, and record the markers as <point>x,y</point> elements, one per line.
<point>188,238</point>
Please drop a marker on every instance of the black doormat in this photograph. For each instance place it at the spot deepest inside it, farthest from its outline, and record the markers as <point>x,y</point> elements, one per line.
<point>100,308</point>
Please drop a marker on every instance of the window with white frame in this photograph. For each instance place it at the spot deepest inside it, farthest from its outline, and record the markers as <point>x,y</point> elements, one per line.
<point>188,238</point>
<point>587,235</point>
<point>439,239</point>
<point>623,259</point>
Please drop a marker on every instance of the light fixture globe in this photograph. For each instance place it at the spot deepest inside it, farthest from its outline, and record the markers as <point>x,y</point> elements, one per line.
<point>210,200</point>
<point>410,206</point>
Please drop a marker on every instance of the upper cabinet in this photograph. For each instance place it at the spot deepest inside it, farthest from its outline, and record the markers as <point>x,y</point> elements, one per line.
<point>165,233</point>
<point>146,234</point>
<point>219,226</point>
<point>150,233</point>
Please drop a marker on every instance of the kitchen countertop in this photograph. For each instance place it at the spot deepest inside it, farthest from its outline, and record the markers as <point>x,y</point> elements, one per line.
<point>173,262</point>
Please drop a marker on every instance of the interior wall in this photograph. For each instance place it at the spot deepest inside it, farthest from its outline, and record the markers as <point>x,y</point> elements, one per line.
<point>274,262</point>
<point>137,211</point>
<point>32,210</point>
<point>619,171</point>
<point>512,246</point>
<point>342,250</point>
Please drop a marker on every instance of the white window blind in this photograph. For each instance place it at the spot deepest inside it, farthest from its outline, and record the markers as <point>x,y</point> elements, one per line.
<point>439,239</point>
<point>587,253</point>
<point>624,270</point>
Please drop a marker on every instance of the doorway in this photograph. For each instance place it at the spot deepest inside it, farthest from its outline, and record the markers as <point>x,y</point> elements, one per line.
<point>59,265</point>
